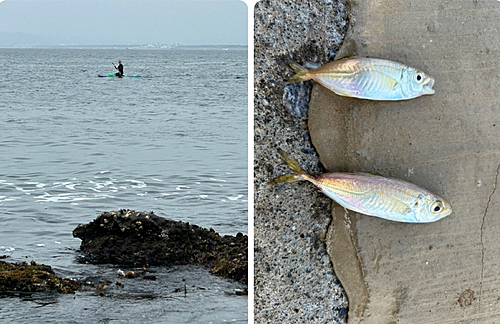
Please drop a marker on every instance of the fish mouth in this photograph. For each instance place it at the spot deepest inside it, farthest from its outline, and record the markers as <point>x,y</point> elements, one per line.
<point>427,88</point>
<point>447,212</point>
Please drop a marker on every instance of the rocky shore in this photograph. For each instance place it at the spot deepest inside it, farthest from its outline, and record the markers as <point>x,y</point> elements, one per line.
<point>32,277</point>
<point>137,239</point>
<point>131,238</point>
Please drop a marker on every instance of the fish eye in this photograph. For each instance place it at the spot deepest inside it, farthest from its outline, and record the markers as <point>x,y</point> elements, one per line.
<point>437,207</point>
<point>419,77</point>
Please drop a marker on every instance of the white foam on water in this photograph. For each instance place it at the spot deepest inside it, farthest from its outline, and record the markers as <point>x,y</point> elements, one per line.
<point>219,180</point>
<point>138,184</point>
<point>235,198</point>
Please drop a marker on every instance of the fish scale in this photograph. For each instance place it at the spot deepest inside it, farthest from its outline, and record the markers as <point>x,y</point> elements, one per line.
<point>348,192</point>
<point>368,78</point>
<point>374,195</point>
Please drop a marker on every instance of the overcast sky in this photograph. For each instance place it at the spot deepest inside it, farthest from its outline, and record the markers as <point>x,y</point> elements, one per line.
<point>123,22</point>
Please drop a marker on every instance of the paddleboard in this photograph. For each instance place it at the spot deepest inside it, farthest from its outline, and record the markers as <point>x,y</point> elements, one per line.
<point>114,75</point>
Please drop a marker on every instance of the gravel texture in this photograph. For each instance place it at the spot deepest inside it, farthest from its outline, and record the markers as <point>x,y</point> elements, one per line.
<point>294,279</point>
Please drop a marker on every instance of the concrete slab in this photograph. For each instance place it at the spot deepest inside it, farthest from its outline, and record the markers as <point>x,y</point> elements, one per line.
<point>449,143</point>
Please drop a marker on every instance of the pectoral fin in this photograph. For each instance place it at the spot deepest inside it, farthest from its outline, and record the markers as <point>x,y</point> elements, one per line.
<point>393,204</point>
<point>388,81</point>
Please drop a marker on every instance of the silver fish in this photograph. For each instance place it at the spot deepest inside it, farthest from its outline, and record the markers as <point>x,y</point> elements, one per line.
<point>368,78</point>
<point>373,195</point>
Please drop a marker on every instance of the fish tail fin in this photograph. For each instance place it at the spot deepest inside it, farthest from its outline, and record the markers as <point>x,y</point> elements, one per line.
<point>301,73</point>
<point>298,172</point>
<point>284,178</point>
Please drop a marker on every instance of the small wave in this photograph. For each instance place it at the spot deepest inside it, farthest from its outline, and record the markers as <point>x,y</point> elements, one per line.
<point>218,180</point>
<point>138,184</point>
<point>235,198</point>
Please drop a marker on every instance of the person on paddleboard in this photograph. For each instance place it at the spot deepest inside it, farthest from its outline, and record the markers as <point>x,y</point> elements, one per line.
<point>119,68</point>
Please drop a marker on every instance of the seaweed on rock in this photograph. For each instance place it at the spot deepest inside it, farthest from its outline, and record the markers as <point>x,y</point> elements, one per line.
<point>131,238</point>
<point>24,277</point>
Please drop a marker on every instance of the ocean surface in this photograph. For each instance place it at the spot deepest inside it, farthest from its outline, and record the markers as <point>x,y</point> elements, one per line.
<point>73,145</point>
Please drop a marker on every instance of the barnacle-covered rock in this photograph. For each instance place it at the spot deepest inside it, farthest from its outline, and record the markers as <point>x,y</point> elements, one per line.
<point>131,238</point>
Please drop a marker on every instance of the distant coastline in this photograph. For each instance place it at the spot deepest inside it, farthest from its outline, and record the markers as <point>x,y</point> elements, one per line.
<point>146,47</point>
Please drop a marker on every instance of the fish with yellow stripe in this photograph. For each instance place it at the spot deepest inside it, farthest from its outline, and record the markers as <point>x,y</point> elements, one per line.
<point>368,78</point>
<point>373,195</point>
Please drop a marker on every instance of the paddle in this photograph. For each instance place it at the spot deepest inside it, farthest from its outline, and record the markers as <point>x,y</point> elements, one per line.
<point>115,67</point>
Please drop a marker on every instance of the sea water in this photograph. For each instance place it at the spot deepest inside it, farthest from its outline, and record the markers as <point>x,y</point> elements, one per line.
<point>73,145</point>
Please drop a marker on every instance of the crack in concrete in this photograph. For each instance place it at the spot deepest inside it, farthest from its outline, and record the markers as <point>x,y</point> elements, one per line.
<point>482,235</point>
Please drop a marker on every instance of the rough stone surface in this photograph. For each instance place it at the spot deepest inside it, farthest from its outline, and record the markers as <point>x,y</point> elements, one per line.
<point>296,98</point>
<point>294,280</point>
<point>134,238</point>
<point>28,278</point>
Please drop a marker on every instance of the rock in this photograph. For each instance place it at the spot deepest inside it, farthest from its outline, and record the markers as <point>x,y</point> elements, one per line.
<point>130,238</point>
<point>24,277</point>
<point>296,98</point>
